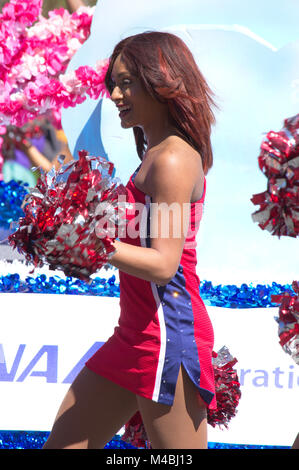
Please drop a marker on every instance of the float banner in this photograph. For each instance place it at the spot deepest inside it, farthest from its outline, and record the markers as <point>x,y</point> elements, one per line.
<point>46,339</point>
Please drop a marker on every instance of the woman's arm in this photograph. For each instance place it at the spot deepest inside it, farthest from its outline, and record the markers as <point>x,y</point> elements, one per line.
<point>65,151</point>
<point>171,179</point>
<point>75,4</point>
<point>39,160</point>
<point>145,263</point>
<point>36,157</point>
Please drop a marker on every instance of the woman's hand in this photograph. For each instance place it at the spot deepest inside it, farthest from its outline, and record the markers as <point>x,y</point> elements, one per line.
<point>16,139</point>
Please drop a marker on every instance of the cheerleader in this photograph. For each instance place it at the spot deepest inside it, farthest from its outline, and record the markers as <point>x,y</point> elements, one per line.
<point>158,362</point>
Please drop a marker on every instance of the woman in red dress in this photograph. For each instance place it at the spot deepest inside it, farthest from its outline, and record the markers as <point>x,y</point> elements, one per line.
<point>159,360</point>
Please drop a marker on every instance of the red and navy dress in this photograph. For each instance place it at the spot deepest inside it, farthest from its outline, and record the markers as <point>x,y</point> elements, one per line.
<point>160,327</point>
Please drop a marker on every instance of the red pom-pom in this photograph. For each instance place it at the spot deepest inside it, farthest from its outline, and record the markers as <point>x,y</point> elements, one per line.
<point>228,394</point>
<point>279,161</point>
<point>135,433</point>
<point>288,321</point>
<point>227,387</point>
<point>72,217</point>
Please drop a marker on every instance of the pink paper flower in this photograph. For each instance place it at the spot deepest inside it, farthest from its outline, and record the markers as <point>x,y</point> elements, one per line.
<point>24,12</point>
<point>34,55</point>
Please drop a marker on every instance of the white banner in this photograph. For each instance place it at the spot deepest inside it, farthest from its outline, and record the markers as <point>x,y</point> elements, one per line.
<point>45,340</point>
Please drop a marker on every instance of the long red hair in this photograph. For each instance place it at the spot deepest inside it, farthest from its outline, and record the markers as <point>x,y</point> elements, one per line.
<point>168,71</point>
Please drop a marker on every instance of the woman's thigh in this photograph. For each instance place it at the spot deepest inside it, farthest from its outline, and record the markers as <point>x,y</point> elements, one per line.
<point>180,426</point>
<point>92,412</point>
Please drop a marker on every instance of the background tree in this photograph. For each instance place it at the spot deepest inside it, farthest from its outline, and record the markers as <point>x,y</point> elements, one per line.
<point>52,4</point>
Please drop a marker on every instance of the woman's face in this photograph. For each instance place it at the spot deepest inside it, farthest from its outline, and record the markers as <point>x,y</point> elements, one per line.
<point>136,106</point>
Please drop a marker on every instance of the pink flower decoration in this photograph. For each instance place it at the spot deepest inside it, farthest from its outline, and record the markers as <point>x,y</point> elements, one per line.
<point>34,54</point>
<point>34,58</point>
<point>24,12</point>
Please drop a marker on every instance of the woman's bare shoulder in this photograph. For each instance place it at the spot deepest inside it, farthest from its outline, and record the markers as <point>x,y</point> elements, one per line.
<point>176,154</point>
<point>173,162</point>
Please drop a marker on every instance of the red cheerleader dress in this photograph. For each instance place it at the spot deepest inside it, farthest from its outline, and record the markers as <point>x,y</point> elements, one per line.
<point>160,327</point>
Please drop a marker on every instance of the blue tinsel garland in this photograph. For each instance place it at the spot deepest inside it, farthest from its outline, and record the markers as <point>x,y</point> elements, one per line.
<point>229,296</point>
<point>35,440</point>
<point>11,197</point>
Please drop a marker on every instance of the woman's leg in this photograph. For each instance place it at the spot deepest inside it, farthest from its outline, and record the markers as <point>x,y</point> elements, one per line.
<point>92,412</point>
<point>180,426</point>
<point>296,443</point>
